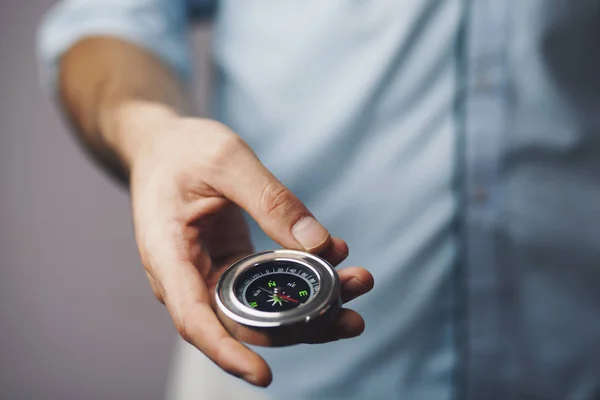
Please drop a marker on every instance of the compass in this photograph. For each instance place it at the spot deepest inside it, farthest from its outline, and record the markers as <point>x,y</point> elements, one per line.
<point>278,297</point>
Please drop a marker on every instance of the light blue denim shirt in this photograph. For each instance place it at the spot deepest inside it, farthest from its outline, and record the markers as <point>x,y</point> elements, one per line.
<point>454,144</point>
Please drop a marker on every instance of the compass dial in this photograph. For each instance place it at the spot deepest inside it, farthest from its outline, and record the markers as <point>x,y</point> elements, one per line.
<point>279,297</point>
<point>277,285</point>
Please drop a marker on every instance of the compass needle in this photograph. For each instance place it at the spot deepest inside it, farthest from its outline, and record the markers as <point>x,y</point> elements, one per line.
<point>275,300</point>
<point>288,298</point>
<point>266,290</point>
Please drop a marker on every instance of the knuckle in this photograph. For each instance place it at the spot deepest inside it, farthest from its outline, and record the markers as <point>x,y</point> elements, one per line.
<point>219,140</point>
<point>182,325</point>
<point>200,125</point>
<point>277,200</point>
<point>222,349</point>
<point>226,147</point>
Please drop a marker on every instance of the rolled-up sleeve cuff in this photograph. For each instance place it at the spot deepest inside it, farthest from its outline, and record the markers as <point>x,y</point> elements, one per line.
<point>158,26</point>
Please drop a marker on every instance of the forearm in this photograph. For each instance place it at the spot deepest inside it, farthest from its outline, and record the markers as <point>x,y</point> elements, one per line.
<point>112,91</point>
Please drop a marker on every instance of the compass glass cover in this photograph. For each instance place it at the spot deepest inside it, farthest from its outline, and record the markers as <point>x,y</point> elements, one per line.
<point>275,286</point>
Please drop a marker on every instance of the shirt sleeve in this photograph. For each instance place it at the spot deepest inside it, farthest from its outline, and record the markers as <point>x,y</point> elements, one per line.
<point>158,26</point>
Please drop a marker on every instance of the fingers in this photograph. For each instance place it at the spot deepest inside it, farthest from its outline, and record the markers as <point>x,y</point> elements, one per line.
<point>228,239</point>
<point>245,181</point>
<point>336,252</point>
<point>202,328</point>
<point>349,324</point>
<point>186,296</point>
<point>354,281</point>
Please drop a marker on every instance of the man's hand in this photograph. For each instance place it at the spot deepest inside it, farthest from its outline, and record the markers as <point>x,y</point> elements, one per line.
<point>188,181</point>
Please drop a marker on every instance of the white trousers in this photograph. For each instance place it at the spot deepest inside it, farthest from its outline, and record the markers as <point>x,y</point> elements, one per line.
<point>195,377</point>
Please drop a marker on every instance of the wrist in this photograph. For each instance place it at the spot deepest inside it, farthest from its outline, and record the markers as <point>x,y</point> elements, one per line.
<point>131,126</point>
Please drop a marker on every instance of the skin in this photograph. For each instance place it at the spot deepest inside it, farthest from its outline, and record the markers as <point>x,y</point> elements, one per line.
<point>189,179</point>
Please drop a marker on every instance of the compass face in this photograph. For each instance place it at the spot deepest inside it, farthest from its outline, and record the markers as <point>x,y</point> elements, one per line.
<point>276,286</point>
<point>286,296</point>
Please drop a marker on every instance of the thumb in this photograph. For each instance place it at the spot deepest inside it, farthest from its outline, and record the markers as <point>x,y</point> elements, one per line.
<point>246,182</point>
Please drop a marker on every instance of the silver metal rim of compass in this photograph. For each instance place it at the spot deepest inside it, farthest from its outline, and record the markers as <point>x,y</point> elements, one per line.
<point>323,303</point>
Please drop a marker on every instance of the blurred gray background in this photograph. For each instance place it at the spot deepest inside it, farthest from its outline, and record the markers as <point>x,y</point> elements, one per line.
<point>77,317</point>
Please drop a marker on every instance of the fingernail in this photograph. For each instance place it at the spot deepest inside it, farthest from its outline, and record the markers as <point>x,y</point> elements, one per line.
<point>357,286</point>
<point>309,233</point>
